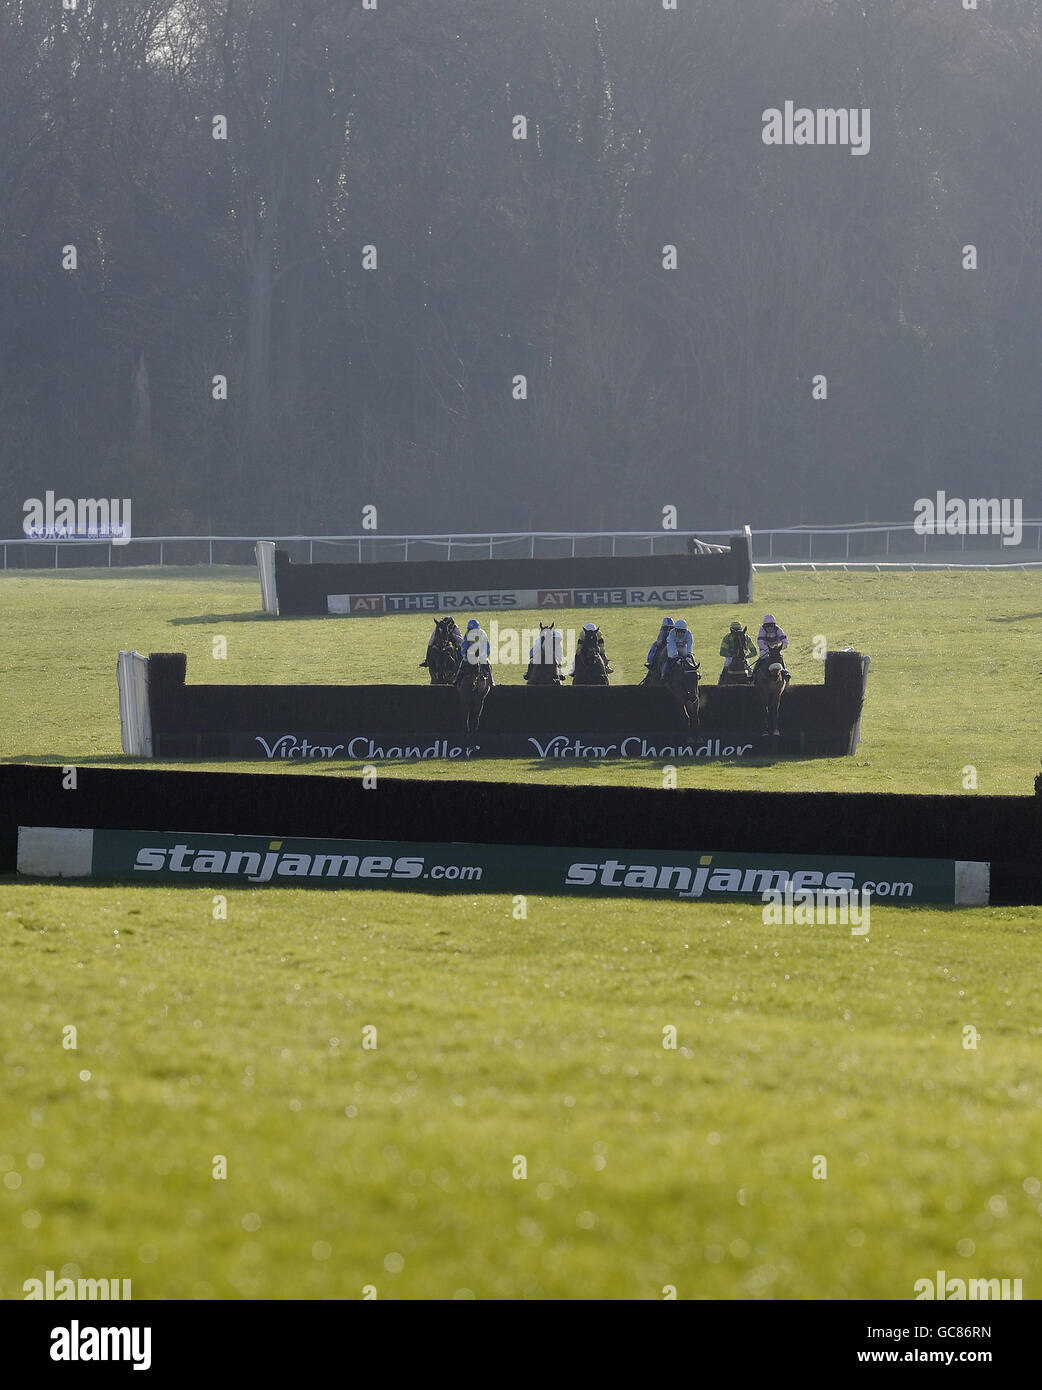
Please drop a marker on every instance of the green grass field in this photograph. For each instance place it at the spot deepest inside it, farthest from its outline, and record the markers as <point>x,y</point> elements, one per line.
<point>393,1167</point>
<point>956,676</point>
<point>499,1038</point>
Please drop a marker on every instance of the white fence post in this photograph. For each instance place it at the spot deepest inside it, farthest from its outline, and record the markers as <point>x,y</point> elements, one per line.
<point>265,552</point>
<point>135,712</point>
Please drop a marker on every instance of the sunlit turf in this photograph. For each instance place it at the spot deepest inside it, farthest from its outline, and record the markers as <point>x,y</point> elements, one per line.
<point>499,1039</point>
<point>955,682</point>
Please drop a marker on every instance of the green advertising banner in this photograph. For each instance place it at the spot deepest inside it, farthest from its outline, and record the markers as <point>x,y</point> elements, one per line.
<point>145,857</point>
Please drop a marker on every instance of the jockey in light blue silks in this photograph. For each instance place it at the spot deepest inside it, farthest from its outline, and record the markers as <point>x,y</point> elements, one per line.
<point>475,651</point>
<point>678,645</point>
<point>657,650</point>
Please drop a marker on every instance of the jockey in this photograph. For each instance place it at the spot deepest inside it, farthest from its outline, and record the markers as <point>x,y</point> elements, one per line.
<point>771,634</point>
<point>678,646</point>
<point>657,650</point>
<point>475,651</point>
<point>592,627</point>
<point>735,647</point>
<point>454,633</point>
<point>538,653</point>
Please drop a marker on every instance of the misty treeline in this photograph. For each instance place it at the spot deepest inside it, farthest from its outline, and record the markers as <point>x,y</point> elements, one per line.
<point>498,257</point>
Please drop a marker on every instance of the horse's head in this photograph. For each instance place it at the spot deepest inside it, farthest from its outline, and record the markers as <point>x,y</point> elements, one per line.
<point>685,672</point>
<point>545,648</point>
<point>774,655</point>
<point>682,683</point>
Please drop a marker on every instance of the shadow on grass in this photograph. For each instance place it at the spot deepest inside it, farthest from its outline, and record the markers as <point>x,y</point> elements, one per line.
<point>259,617</point>
<point>343,767</point>
<point>119,761</point>
<point>1017,618</point>
<point>63,760</point>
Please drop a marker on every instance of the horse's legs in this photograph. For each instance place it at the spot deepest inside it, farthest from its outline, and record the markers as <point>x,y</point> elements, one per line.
<point>477,708</point>
<point>772,710</point>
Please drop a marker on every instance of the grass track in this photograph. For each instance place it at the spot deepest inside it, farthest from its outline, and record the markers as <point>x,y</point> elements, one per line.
<point>956,677</point>
<point>498,1038</point>
<point>540,1037</point>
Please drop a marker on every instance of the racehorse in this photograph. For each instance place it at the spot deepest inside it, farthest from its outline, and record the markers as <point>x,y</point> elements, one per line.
<point>770,687</point>
<point>737,671</point>
<point>444,652</point>
<point>474,685</point>
<point>682,684</point>
<point>590,667</point>
<point>653,676</point>
<point>543,666</point>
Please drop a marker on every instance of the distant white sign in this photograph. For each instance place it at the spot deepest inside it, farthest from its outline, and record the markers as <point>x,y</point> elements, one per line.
<point>460,601</point>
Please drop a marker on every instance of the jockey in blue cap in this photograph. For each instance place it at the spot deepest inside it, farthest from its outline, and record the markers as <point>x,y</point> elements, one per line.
<point>678,646</point>
<point>657,650</point>
<point>475,651</point>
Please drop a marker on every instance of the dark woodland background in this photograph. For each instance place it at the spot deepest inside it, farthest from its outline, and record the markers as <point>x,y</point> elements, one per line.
<point>543,257</point>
